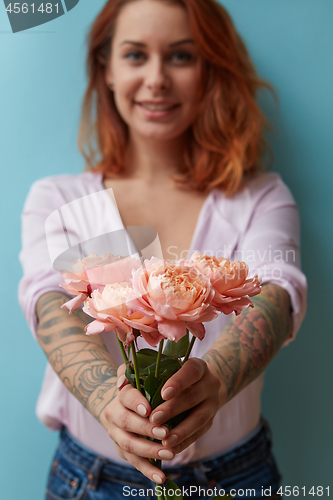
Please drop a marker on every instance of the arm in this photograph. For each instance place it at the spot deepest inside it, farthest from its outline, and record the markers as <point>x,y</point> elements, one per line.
<point>250,341</point>
<point>86,368</point>
<point>241,353</point>
<point>81,362</point>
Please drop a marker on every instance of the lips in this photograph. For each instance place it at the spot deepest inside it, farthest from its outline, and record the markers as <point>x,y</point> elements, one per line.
<point>157,106</point>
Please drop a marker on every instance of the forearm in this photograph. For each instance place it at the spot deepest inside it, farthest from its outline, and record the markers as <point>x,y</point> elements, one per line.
<point>250,341</point>
<point>82,362</point>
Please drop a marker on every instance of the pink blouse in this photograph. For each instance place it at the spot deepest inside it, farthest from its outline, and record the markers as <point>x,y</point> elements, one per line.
<point>260,225</point>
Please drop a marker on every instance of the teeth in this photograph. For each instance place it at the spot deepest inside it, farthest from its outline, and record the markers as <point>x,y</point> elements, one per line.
<point>157,107</point>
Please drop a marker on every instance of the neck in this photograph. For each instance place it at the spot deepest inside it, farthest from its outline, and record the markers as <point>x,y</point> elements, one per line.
<point>154,161</point>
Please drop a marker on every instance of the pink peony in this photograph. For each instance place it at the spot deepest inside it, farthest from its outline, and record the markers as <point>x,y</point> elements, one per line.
<point>111,312</point>
<point>93,273</point>
<point>176,295</point>
<point>232,289</point>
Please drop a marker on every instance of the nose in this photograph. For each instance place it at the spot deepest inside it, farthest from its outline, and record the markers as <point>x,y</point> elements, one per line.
<point>157,78</point>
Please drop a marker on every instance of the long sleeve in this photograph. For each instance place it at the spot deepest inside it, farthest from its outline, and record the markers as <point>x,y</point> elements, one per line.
<point>39,276</point>
<point>271,243</point>
<point>64,218</point>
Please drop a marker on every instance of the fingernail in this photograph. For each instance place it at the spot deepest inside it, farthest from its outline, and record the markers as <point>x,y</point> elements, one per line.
<point>142,410</point>
<point>159,432</point>
<point>172,440</point>
<point>121,380</point>
<point>166,454</point>
<point>157,479</point>
<point>158,417</point>
<point>168,393</point>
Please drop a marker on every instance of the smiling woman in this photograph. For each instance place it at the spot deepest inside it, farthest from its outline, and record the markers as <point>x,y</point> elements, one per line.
<point>194,44</point>
<point>157,73</point>
<point>170,123</point>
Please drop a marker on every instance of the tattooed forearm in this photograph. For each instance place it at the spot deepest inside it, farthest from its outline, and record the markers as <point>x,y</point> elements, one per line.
<point>83,363</point>
<point>251,340</point>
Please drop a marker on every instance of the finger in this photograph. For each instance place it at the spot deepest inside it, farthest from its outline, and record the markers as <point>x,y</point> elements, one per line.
<point>198,419</point>
<point>186,400</point>
<point>132,399</point>
<point>121,370</point>
<point>134,445</point>
<point>122,381</point>
<point>132,422</point>
<point>143,465</point>
<point>190,372</point>
<point>147,469</point>
<point>192,439</point>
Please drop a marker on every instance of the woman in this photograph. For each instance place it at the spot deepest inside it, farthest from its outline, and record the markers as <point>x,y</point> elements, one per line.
<point>170,123</point>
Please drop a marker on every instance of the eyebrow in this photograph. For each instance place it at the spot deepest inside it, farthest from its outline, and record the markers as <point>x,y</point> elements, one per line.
<point>174,44</point>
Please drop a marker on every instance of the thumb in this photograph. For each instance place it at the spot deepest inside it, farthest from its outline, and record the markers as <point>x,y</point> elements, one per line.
<point>122,379</point>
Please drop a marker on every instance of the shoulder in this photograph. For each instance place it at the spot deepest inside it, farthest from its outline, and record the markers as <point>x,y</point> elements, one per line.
<point>264,189</point>
<point>259,194</point>
<point>268,191</point>
<point>54,191</point>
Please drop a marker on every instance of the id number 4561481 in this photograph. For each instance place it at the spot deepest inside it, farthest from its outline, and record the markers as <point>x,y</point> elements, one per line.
<point>295,491</point>
<point>26,8</point>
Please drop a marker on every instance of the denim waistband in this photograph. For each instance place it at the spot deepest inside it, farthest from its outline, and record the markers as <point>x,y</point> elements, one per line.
<point>217,467</point>
<point>255,449</point>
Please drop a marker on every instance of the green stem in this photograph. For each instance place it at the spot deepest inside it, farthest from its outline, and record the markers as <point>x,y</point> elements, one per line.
<point>123,352</point>
<point>158,463</point>
<point>161,496</point>
<point>189,349</point>
<point>158,361</point>
<point>136,368</point>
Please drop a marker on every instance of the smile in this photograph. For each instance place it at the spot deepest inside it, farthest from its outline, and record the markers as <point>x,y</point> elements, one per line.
<point>157,107</point>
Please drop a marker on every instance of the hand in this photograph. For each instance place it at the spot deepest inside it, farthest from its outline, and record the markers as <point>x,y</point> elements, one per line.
<point>193,386</point>
<point>125,420</point>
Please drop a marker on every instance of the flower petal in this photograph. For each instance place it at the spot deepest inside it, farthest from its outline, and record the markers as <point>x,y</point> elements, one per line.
<point>235,306</point>
<point>96,327</point>
<point>197,329</point>
<point>172,330</point>
<point>75,302</point>
<point>152,338</point>
<point>140,326</point>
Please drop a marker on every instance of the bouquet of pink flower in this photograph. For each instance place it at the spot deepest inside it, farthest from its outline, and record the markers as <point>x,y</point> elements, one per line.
<point>158,300</point>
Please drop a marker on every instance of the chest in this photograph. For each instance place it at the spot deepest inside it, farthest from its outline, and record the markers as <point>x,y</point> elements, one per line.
<point>171,212</point>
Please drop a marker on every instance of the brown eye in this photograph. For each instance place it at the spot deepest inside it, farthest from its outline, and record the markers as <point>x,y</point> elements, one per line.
<point>135,56</point>
<point>182,57</point>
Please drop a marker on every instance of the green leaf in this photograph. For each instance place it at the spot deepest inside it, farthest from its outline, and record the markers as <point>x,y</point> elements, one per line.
<point>174,421</point>
<point>172,488</point>
<point>144,360</point>
<point>177,349</point>
<point>171,364</point>
<point>157,398</point>
<point>129,373</point>
<point>148,352</point>
<point>146,357</point>
<point>151,385</point>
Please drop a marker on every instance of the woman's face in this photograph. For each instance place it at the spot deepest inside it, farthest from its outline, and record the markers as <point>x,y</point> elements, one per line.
<point>156,69</point>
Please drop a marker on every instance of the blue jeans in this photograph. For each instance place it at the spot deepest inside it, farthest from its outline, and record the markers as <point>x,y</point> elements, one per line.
<point>79,474</point>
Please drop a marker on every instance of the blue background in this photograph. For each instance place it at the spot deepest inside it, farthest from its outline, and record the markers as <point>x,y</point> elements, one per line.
<point>41,86</point>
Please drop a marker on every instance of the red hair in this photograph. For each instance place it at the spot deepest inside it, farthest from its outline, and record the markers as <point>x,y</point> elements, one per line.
<point>225,142</point>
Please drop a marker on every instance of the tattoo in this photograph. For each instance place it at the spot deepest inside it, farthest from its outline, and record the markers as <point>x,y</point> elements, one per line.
<point>83,363</point>
<point>50,339</point>
<point>251,340</point>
